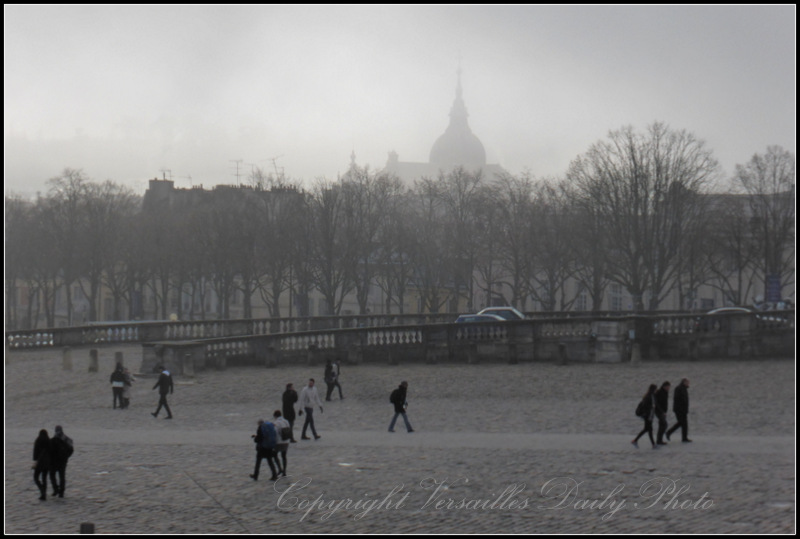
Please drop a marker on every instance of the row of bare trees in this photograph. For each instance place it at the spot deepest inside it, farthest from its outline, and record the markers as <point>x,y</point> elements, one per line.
<point>636,209</point>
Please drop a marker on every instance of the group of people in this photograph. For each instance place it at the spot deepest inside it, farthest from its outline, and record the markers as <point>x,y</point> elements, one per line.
<point>655,404</point>
<point>272,438</point>
<point>121,382</point>
<point>50,456</point>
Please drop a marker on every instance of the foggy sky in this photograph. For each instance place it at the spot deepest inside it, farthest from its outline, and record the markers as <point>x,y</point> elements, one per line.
<point>125,91</point>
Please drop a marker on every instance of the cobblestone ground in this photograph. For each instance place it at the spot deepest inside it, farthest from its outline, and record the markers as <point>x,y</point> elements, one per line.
<point>532,448</point>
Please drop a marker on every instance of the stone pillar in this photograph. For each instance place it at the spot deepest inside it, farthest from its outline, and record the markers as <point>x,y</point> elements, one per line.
<point>636,354</point>
<point>431,354</point>
<point>188,364</point>
<point>472,353</point>
<point>512,354</point>
<point>694,350</point>
<point>66,358</point>
<point>87,527</point>
<point>94,364</point>
<point>313,354</point>
<point>355,355</point>
<point>271,357</point>
<point>221,360</point>
<point>562,354</point>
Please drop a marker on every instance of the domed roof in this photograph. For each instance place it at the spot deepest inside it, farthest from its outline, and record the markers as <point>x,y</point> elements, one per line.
<point>458,146</point>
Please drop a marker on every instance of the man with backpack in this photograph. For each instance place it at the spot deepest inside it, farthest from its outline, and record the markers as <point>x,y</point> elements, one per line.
<point>266,438</point>
<point>61,449</point>
<point>398,398</point>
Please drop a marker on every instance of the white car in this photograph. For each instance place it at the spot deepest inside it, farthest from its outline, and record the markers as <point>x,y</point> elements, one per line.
<point>474,318</point>
<point>509,313</point>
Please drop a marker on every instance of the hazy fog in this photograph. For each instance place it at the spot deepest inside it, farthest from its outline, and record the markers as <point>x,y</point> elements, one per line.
<point>125,91</point>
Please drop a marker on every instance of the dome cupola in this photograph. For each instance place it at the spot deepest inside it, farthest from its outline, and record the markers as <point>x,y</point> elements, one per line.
<point>458,146</point>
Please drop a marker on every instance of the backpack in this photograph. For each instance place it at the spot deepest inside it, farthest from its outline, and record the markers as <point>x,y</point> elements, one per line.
<point>393,397</point>
<point>268,435</point>
<point>640,409</point>
<point>69,448</point>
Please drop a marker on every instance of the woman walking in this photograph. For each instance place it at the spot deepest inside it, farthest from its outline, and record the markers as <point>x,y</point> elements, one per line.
<point>41,458</point>
<point>648,408</point>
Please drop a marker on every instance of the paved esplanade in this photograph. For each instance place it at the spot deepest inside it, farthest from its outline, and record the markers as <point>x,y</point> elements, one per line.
<point>535,448</point>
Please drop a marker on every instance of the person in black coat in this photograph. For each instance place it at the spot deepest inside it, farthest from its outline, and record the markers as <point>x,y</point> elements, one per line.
<point>61,449</point>
<point>41,457</point>
<point>330,379</point>
<point>117,385</point>
<point>662,405</point>
<point>649,402</point>
<point>398,398</point>
<point>289,398</point>
<point>165,387</point>
<point>265,449</point>
<point>680,405</point>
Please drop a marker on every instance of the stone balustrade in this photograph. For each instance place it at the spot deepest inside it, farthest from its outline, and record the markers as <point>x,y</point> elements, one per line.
<point>187,346</point>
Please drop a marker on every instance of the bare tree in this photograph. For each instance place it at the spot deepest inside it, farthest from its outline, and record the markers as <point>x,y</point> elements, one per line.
<point>514,201</point>
<point>589,247</point>
<point>283,212</point>
<point>66,221</point>
<point>20,263</point>
<point>462,195</point>
<point>331,249</point>
<point>106,208</point>
<point>731,251</point>
<point>366,201</point>
<point>432,268</point>
<point>642,184</point>
<point>769,180</point>
<point>552,263</point>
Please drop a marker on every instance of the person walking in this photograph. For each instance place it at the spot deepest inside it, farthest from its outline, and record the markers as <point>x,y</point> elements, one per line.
<point>398,398</point>
<point>165,387</point>
<point>648,406</point>
<point>126,389</point>
<point>61,449</point>
<point>265,439</point>
<point>662,406</point>
<point>283,431</point>
<point>117,381</point>
<point>289,398</point>
<point>308,399</point>
<point>41,462</point>
<point>330,379</point>
<point>680,405</point>
<point>336,374</point>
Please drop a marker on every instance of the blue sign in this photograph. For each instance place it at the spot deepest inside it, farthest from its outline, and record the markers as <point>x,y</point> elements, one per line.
<point>773,288</point>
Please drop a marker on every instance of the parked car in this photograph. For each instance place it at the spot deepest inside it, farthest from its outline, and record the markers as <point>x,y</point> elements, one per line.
<point>708,322</point>
<point>508,313</point>
<point>476,318</point>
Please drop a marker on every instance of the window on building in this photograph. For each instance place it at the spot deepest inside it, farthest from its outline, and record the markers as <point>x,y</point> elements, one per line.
<point>615,297</point>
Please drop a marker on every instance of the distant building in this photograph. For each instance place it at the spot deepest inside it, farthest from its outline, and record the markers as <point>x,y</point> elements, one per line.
<point>457,147</point>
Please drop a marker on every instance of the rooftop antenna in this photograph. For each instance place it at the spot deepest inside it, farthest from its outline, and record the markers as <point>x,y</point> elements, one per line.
<point>164,172</point>
<point>237,161</point>
<point>273,159</point>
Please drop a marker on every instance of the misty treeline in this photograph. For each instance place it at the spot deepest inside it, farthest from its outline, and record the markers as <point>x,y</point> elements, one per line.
<point>639,209</point>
